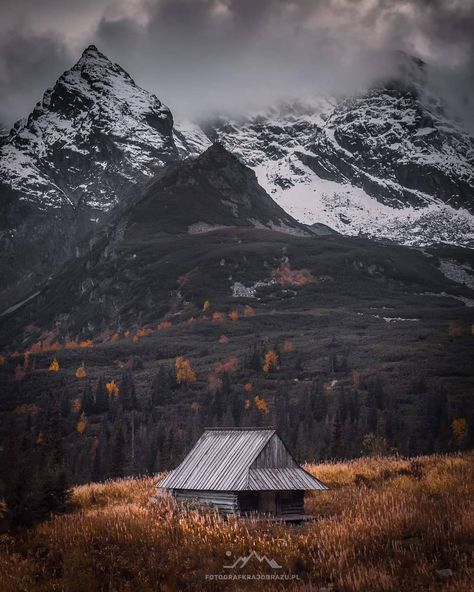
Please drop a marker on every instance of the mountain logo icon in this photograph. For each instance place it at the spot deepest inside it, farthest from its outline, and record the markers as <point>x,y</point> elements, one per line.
<point>242,561</point>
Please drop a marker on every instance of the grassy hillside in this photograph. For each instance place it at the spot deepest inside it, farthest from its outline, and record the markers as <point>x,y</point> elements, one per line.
<point>386,524</point>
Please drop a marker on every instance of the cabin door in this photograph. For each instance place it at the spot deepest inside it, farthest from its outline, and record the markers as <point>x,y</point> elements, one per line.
<point>267,502</point>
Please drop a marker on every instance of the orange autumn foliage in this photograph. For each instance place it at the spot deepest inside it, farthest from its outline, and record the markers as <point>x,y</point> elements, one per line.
<point>81,424</point>
<point>164,325</point>
<point>115,337</point>
<point>261,404</point>
<point>71,344</point>
<point>50,347</point>
<point>144,332</point>
<point>228,366</point>
<point>86,343</point>
<point>288,346</point>
<point>270,362</point>
<point>76,405</point>
<point>248,386</point>
<point>214,383</point>
<point>249,311</point>
<point>19,373</point>
<point>26,409</point>
<point>184,371</point>
<point>112,388</point>
<point>459,428</point>
<point>54,366</point>
<point>285,276</point>
<point>81,371</point>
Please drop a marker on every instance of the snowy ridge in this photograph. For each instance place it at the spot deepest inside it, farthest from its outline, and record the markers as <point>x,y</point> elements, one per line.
<point>92,137</point>
<point>387,164</point>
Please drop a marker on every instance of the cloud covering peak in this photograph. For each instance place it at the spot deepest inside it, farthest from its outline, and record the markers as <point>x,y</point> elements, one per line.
<point>200,56</point>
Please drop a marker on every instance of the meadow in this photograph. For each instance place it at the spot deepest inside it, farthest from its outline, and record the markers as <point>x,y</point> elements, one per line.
<point>386,524</point>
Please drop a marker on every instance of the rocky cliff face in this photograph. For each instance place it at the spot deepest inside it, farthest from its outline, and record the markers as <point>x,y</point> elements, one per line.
<point>213,191</point>
<point>388,164</point>
<point>92,140</point>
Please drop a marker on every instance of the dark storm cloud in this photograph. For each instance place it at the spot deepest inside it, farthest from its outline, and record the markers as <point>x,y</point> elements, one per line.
<point>201,55</point>
<point>29,64</point>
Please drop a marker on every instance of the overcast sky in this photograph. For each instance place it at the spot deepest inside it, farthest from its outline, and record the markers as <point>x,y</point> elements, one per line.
<point>201,55</point>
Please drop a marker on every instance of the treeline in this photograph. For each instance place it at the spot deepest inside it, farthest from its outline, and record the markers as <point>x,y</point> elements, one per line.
<point>114,429</point>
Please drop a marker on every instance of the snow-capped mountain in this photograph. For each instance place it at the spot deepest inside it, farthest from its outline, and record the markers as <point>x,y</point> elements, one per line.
<point>93,136</point>
<point>87,145</point>
<point>387,164</point>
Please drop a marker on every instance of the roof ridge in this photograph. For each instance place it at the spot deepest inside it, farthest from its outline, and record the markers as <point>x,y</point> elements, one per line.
<point>237,429</point>
<point>256,455</point>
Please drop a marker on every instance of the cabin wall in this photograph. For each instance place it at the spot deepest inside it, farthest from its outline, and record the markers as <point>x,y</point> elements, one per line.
<point>273,456</point>
<point>248,502</point>
<point>226,501</point>
<point>290,503</point>
<point>284,503</point>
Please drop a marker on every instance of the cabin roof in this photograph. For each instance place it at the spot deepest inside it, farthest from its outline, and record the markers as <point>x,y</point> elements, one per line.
<point>221,461</point>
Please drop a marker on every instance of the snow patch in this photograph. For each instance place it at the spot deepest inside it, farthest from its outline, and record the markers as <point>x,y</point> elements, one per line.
<point>239,290</point>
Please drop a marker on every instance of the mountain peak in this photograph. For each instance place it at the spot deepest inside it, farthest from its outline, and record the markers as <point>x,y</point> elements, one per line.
<point>91,49</point>
<point>217,155</point>
<point>91,56</point>
<point>216,190</point>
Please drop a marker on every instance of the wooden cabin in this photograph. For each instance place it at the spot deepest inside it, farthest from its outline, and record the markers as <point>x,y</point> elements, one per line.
<point>243,471</point>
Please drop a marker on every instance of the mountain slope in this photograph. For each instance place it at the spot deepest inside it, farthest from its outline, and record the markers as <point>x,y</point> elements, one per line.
<point>89,143</point>
<point>369,337</point>
<point>206,229</point>
<point>387,164</point>
<point>213,191</point>
<point>92,138</point>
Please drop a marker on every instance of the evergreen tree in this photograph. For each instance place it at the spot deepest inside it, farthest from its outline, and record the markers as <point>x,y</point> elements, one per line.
<point>161,387</point>
<point>117,450</point>
<point>101,403</point>
<point>127,392</point>
<point>336,437</point>
<point>87,404</point>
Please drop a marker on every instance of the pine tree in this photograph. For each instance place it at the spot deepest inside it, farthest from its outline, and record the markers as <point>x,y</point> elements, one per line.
<point>318,402</point>
<point>161,387</point>
<point>336,437</point>
<point>87,404</point>
<point>117,450</point>
<point>101,403</point>
<point>127,392</point>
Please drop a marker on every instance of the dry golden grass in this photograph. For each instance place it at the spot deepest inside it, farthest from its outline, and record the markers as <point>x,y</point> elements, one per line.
<point>386,524</point>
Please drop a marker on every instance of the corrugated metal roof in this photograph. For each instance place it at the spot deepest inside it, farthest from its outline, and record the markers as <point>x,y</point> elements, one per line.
<point>282,479</point>
<point>221,460</point>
